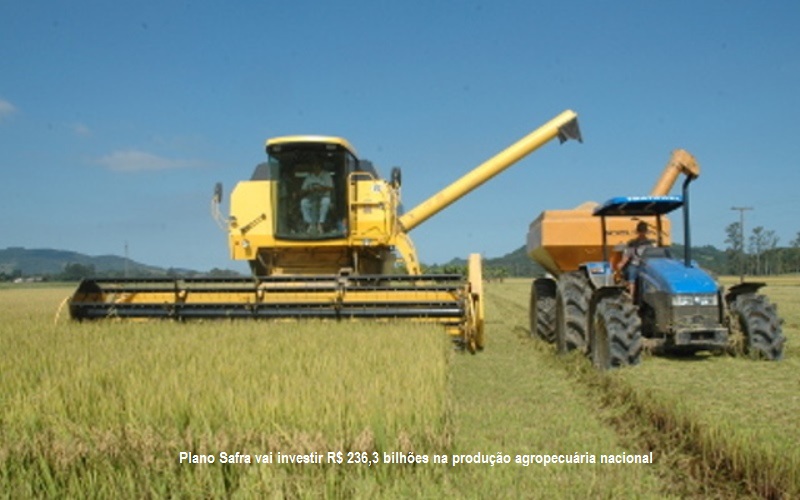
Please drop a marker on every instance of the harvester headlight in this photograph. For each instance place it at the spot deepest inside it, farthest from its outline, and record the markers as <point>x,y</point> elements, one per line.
<point>694,300</point>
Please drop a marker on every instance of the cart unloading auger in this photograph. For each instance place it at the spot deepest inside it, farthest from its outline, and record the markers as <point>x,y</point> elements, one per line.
<point>345,266</point>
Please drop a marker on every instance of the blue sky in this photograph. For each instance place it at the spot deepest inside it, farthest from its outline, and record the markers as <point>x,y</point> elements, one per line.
<point>117,118</point>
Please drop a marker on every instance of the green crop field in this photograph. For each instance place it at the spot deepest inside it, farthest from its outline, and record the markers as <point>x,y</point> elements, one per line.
<point>138,409</point>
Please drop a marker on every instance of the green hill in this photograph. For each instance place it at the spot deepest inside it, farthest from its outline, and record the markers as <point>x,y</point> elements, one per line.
<point>46,262</point>
<point>517,263</point>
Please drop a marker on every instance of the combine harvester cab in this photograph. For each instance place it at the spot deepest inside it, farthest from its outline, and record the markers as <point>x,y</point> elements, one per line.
<point>676,306</point>
<point>334,251</point>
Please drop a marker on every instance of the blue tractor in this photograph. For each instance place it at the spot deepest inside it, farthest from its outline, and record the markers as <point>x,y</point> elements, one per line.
<point>674,307</point>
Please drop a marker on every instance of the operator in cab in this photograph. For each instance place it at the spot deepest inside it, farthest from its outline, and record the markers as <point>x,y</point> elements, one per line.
<point>315,198</point>
<point>632,256</point>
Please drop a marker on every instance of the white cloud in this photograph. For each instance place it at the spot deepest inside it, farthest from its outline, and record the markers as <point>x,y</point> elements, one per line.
<point>81,130</point>
<point>140,161</point>
<point>6,109</point>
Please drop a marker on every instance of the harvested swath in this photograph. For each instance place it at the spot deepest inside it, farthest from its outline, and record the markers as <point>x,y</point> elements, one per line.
<point>739,418</point>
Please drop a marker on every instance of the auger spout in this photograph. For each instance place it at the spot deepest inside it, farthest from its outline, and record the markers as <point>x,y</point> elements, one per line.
<point>681,161</point>
<point>564,126</point>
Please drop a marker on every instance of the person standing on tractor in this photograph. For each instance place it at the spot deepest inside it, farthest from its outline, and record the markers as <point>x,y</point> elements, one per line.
<point>632,256</point>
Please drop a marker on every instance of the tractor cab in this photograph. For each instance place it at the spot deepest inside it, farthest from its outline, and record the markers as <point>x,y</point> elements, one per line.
<point>649,209</point>
<point>659,269</point>
<point>310,185</point>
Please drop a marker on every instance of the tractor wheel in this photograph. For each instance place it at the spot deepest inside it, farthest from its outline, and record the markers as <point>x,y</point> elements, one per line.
<point>756,323</point>
<point>572,312</point>
<point>543,309</point>
<point>616,338</point>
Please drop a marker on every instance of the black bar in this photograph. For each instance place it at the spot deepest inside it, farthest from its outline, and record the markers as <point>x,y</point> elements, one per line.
<point>186,311</point>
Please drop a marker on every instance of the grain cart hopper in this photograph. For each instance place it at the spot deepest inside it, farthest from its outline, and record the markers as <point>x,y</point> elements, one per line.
<point>678,307</point>
<point>342,265</point>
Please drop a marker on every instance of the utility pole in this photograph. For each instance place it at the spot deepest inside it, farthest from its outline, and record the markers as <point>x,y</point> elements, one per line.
<point>741,238</point>
<point>125,272</point>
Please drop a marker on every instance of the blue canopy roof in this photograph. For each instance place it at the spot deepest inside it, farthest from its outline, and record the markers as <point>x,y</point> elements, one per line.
<point>639,205</point>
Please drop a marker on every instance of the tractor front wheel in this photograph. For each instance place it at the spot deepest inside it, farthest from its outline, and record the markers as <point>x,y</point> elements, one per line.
<point>572,312</point>
<point>756,327</point>
<point>616,336</point>
<point>542,310</point>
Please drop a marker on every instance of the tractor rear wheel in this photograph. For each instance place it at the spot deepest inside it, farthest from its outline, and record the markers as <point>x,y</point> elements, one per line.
<point>616,337</point>
<point>572,312</point>
<point>543,309</point>
<point>757,322</point>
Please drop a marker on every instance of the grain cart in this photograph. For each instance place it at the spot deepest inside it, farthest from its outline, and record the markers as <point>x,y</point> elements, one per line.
<point>678,307</point>
<point>344,265</point>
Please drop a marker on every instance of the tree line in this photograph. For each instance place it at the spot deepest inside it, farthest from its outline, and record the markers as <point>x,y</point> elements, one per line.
<point>759,253</point>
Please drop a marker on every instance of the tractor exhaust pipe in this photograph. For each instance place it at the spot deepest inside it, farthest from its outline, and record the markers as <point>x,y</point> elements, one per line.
<point>687,233</point>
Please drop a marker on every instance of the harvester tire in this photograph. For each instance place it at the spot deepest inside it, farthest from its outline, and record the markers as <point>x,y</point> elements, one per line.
<point>572,312</point>
<point>616,336</point>
<point>542,310</point>
<point>756,323</point>
<point>478,320</point>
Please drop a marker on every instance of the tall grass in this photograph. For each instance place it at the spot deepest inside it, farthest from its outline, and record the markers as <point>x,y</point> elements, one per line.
<point>515,398</point>
<point>738,418</point>
<point>104,409</point>
<point>107,407</point>
<point>740,414</point>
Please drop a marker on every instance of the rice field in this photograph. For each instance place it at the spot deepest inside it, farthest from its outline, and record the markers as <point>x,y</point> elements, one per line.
<point>730,425</point>
<point>125,408</point>
<point>109,407</point>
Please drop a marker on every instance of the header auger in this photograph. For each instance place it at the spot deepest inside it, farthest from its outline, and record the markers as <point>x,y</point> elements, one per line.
<point>324,238</point>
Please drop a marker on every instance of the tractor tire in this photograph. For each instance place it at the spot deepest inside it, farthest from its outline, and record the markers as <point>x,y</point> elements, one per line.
<point>543,309</point>
<point>572,312</point>
<point>757,320</point>
<point>616,336</point>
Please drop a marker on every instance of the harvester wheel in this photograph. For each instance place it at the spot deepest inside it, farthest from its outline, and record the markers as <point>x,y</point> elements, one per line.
<point>475,270</point>
<point>469,331</point>
<point>616,336</point>
<point>572,312</point>
<point>543,309</point>
<point>756,327</point>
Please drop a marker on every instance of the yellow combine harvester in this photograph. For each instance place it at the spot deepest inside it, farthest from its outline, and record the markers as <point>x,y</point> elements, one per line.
<point>325,238</point>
